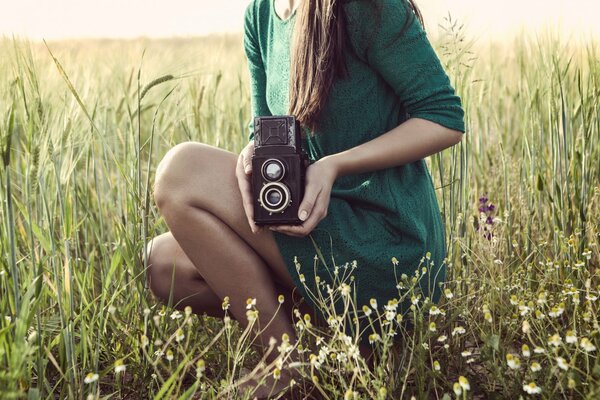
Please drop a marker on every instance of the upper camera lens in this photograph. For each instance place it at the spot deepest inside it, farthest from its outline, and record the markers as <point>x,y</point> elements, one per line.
<point>273,170</point>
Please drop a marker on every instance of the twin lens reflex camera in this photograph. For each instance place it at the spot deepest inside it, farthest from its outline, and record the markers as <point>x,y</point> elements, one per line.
<point>278,170</point>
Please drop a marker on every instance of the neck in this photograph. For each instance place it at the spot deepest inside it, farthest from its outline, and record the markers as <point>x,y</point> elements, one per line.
<point>285,8</point>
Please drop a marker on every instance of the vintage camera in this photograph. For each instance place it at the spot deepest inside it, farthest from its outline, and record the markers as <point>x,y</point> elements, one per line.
<point>278,168</point>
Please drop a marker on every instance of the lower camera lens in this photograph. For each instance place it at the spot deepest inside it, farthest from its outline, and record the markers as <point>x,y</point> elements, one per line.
<point>275,197</point>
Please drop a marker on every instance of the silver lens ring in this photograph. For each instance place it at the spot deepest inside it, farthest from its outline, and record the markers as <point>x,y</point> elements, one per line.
<point>269,162</point>
<point>282,190</point>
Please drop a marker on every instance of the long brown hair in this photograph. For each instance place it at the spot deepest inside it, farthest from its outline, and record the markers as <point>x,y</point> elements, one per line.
<point>317,54</point>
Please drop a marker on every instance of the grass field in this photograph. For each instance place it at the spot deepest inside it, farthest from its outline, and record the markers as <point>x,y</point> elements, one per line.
<point>84,124</point>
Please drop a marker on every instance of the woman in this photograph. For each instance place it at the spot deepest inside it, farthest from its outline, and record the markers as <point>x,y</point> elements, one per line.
<point>363,79</point>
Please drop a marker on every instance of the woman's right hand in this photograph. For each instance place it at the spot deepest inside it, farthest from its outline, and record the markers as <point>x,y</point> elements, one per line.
<point>243,172</point>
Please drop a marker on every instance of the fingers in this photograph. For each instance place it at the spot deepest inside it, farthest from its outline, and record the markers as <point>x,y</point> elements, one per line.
<point>247,159</point>
<point>246,191</point>
<point>318,212</point>
<point>312,209</point>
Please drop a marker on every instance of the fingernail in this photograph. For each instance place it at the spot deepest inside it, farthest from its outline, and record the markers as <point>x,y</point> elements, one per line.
<point>303,215</point>
<point>247,169</point>
<point>272,228</point>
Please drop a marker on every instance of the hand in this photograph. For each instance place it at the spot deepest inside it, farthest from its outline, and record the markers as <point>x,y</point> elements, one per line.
<point>243,172</point>
<point>319,180</point>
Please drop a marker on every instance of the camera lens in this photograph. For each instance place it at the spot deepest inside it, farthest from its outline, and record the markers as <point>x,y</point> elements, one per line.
<point>275,197</point>
<point>273,170</point>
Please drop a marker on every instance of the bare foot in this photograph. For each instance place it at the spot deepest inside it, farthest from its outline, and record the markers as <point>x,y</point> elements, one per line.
<point>270,386</point>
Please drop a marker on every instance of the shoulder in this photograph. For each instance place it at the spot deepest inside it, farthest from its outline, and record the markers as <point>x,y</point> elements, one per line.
<point>255,10</point>
<point>377,22</point>
<point>363,12</point>
<point>256,16</point>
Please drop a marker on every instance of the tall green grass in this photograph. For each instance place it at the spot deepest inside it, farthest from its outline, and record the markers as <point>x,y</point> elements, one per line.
<point>84,124</point>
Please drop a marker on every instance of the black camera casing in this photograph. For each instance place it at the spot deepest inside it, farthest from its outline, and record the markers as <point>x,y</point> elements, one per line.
<point>278,149</point>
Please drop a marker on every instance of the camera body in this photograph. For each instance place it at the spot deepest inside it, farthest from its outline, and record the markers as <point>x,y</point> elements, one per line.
<point>278,170</point>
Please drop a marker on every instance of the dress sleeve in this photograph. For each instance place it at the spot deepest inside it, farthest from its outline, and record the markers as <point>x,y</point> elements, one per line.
<point>258,79</point>
<point>409,64</point>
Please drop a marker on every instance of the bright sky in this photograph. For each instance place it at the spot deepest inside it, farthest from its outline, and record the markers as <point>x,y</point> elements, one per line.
<point>53,19</point>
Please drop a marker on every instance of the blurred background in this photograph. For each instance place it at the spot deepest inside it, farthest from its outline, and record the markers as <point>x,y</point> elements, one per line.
<point>484,19</point>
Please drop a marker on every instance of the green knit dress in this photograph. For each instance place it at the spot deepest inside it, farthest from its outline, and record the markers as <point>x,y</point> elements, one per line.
<point>375,217</point>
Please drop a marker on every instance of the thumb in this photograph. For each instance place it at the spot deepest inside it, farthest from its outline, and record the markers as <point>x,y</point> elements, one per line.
<point>308,201</point>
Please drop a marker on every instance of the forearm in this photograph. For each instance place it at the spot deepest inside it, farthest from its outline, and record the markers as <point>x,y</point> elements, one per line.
<point>411,141</point>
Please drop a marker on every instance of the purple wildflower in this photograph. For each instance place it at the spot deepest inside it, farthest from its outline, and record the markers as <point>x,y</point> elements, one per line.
<point>488,209</point>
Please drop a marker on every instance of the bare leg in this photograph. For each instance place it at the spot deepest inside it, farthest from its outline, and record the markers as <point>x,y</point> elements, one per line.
<point>172,275</point>
<point>197,194</point>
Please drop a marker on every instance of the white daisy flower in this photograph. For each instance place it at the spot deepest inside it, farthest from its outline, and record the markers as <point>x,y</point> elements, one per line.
<point>91,377</point>
<point>464,383</point>
<point>513,361</point>
<point>374,337</point>
<point>251,302</point>
<point>432,327</point>
<point>434,310</point>
<point>457,389</point>
<point>459,330</point>
<point>200,368</point>
<point>587,345</point>
<point>119,366</point>
<point>488,317</point>
<point>373,303</point>
<point>562,363</point>
<point>555,340</point>
<point>345,289</point>
<point>557,311</point>
<point>532,388</point>
<point>389,315</point>
<point>179,335</point>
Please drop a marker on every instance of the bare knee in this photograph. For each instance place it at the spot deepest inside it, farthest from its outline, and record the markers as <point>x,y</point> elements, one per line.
<point>171,184</point>
<point>168,173</point>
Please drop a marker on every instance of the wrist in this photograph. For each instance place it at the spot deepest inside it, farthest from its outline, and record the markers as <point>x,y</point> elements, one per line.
<point>332,163</point>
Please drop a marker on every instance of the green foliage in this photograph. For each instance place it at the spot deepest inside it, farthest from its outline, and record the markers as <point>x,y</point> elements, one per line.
<point>84,125</point>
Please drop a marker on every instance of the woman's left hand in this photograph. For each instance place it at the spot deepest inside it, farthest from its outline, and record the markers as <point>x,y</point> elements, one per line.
<point>313,208</point>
